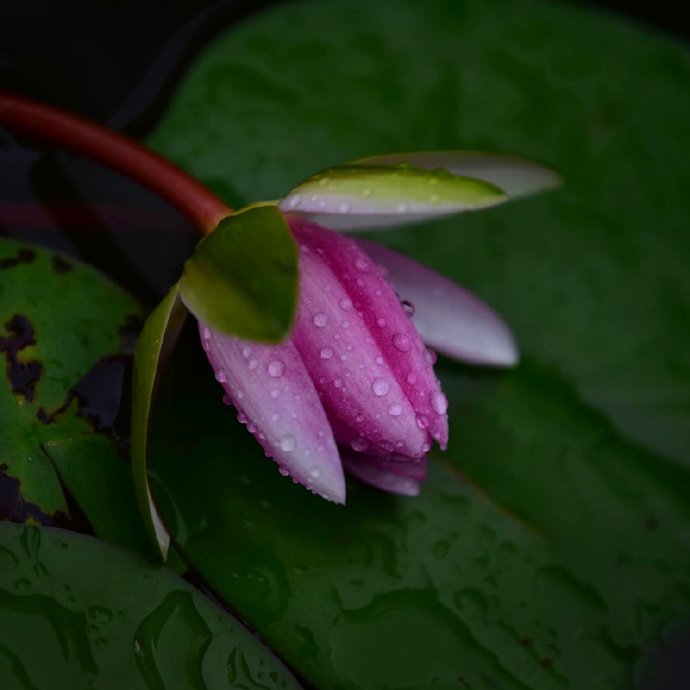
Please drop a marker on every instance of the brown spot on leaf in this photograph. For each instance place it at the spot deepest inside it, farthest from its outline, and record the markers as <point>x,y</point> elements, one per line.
<point>15,508</point>
<point>60,265</point>
<point>24,256</point>
<point>22,375</point>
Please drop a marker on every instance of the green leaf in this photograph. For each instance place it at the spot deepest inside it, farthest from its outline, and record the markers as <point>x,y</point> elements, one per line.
<point>154,347</point>
<point>565,563</point>
<point>60,317</point>
<point>242,278</point>
<point>350,197</point>
<point>85,614</point>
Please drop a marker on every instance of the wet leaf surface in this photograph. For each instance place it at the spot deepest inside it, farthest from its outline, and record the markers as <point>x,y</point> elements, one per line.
<point>104,618</point>
<point>549,548</point>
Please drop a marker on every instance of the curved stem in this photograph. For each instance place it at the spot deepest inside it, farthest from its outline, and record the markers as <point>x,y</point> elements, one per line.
<point>115,151</point>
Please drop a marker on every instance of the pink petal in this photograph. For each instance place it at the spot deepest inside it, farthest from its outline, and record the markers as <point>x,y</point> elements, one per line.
<point>363,352</point>
<point>404,479</point>
<point>450,318</point>
<point>276,399</point>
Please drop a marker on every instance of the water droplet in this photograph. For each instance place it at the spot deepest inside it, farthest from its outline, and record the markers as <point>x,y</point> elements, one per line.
<point>241,418</point>
<point>246,351</point>
<point>253,364</point>
<point>275,368</point>
<point>361,264</point>
<point>383,271</point>
<point>220,376</point>
<point>439,402</point>
<point>315,472</point>
<point>381,323</point>
<point>401,342</point>
<point>422,421</point>
<point>206,333</point>
<point>304,249</point>
<point>295,201</point>
<point>434,198</point>
<point>227,400</point>
<point>401,207</point>
<point>287,443</point>
<point>324,181</point>
<point>345,304</point>
<point>411,378</point>
<point>320,319</point>
<point>359,445</point>
<point>380,387</point>
<point>379,360</point>
<point>338,383</point>
<point>395,410</point>
<point>360,282</point>
<point>283,471</point>
<point>430,356</point>
<point>344,207</point>
<point>326,352</point>
<point>408,307</point>
<point>275,392</point>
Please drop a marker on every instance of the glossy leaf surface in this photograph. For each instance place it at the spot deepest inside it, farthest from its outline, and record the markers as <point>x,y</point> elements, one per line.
<point>564,565</point>
<point>105,619</point>
<point>242,278</point>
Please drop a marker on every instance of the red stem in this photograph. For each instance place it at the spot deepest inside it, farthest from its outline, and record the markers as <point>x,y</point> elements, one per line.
<point>115,151</point>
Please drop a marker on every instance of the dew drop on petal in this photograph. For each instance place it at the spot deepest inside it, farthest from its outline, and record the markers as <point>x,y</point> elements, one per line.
<point>401,342</point>
<point>246,351</point>
<point>320,319</point>
<point>408,307</point>
<point>338,383</point>
<point>220,376</point>
<point>381,323</point>
<point>359,445</point>
<point>275,368</point>
<point>361,264</point>
<point>422,421</point>
<point>379,360</point>
<point>411,378</point>
<point>439,402</point>
<point>295,201</point>
<point>206,333</point>
<point>345,304</point>
<point>401,207</point>
<point>395,410</point>
<point>430,356</point>
<point>287,443</point>
<point>275,392</point>
<point>283,471</point>
<point>344,207</point>
<point>315,472</point>
<point>326,352</point>
<point>380,387</point>
<point>253,364</point>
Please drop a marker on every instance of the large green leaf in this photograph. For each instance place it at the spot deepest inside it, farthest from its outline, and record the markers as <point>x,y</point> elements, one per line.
<point>103,618</point>
<point>60,317</point>
<point>565,561</point>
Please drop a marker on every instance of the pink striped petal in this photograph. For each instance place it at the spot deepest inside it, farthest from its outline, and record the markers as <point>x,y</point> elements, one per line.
<point>450,318</point>
<point>404,479</point>
<point>276,399</point>
<point>365,356</point>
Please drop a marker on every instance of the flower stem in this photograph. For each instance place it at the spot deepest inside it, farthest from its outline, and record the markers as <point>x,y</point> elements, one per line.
<point>115,151</point>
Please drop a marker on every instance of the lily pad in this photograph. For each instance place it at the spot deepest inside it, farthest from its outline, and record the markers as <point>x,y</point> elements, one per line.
<point>60,318</point>
<point>564,560</point>
<point>103,618</point>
